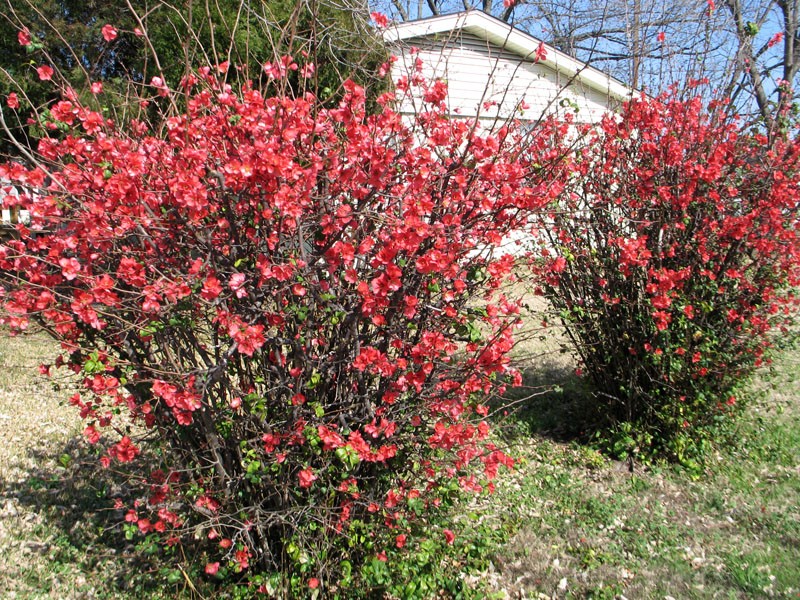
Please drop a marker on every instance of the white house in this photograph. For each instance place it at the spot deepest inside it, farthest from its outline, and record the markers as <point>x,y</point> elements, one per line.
<point>10,215</point>
<point>495,71</point>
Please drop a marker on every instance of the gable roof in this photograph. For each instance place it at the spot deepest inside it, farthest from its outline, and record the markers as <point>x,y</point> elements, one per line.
<point>513,40</point>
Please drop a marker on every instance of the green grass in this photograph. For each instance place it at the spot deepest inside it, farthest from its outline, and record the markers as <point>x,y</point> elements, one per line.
<point>567,523</point>
<point>591,528</point>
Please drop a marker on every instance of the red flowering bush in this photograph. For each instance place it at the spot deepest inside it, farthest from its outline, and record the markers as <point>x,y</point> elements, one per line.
<point>670,256</point>
<point>294,309</point>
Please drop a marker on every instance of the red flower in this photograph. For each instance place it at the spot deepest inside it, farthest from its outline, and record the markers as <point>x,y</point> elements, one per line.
<point>541,52</point>
<point>124,451</point>
<point>237,284</point>
<point>400,540</point>
<point>212,568</point>
<point>159,83</point>
<point>775,39</point>
<point>12,101</point>
<point>661,301</point>
<point>271,441</point>
<point>559,264</point>
<point>662,319</point>
<point>306,477</point>
<point>313,583</point>
<point>45,72</point>
<point>211,288</point>
<point>330,439</point>
<point>109,33</point>
<point>144,525</point>
<point>449,536</point>
<point>208,502</point>
<point>242,557</point>
<point>380,19</point>
<point>24,37</point>
<point>249,339</point>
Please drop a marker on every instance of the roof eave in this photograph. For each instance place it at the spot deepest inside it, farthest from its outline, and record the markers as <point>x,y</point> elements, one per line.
<point>522,44</point>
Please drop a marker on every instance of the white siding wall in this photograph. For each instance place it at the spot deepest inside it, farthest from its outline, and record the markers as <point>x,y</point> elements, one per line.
<point>6,216</point>
<point>477,71</point>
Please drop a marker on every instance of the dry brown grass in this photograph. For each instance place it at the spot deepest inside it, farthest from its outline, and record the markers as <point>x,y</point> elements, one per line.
<point>58,537</point>
<point>33,420</point>
<point>32,413</point>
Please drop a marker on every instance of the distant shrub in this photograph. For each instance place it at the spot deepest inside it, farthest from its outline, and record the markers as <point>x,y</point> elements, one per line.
<point>671,256</point>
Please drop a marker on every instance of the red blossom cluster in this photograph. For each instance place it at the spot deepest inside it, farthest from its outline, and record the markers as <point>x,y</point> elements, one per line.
<point>286,296</point>
<point>671,255</point>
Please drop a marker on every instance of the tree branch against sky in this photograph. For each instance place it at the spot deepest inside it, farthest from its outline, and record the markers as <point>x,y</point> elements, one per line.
<point>768,53</point>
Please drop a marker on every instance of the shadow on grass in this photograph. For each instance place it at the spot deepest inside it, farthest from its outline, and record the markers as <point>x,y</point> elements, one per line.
<point>72,499</point>
<point>552,402</point>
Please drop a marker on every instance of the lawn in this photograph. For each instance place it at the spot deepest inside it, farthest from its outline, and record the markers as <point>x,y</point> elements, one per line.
<point>573,523</point>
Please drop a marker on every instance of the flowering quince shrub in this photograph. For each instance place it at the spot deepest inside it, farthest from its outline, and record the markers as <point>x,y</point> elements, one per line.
<point>671,255</point>
<point>296,308</point>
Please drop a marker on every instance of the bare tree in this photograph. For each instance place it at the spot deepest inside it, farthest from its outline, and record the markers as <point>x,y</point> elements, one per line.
<point>767,55</point>
<point>637,41</point>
